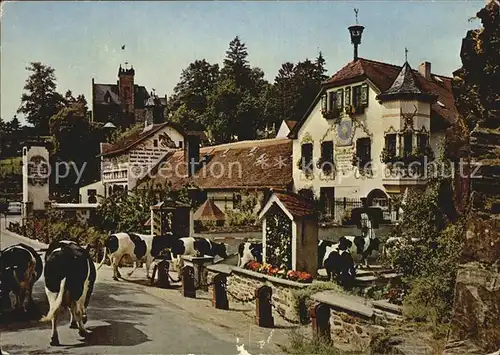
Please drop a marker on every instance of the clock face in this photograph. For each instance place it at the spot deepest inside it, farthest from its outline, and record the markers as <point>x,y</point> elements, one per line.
<point>345,132</point>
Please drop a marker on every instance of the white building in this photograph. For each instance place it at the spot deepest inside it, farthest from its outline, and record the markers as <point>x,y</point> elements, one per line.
<point>368,115</point>
<point>125,162</point>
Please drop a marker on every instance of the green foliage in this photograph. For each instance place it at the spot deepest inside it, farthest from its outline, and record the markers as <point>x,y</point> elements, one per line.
<point>40,101</point>
<point>381,343</point>
<point>300,344</point>
<point>429,266</point>
<point>125,212</point>
<point>235,102</point>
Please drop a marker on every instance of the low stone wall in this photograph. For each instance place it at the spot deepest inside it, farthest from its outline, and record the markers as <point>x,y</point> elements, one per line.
<point>242,285</point>
<point>353,320</point>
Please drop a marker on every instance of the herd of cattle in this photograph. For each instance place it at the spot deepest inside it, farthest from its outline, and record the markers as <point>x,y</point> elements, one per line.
<point>70,273</point>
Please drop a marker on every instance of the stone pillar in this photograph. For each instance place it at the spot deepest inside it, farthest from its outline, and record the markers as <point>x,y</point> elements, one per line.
<point>36,175</point>
<point>197,263</point>
<point>188,287</point>
<point>219,292</point>
<point>320,321</point>
<point>264,310</point>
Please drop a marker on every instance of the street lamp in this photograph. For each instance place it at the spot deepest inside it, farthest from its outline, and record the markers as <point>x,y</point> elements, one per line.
<point>356,32</point>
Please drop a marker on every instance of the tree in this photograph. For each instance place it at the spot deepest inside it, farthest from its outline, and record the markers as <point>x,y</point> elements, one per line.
<point>189,101</point>
<point>40,101</point>
<point>296,86</point>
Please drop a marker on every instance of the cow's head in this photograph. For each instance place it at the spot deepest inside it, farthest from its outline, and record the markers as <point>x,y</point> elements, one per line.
<point>359,241</point>
<point>374,244</point>
<point>256,250</point>
<point>160,243</point>
<point>344,243</point>
<point>220,249</point>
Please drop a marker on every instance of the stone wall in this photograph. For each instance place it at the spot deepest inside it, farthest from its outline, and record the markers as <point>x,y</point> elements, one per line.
<point>242,284</point>
<point>348,329</point>
<point>475,325</point>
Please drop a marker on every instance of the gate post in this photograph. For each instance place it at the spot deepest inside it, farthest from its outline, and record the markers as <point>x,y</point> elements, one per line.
<point>264,311</point>
<point>188,287</point>
<point>163,268</point>
<point>219,295</point>
<point>320,321</point>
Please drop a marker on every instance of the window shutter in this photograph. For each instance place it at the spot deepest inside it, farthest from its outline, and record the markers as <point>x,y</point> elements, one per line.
<point>323,102</point>
<point>364,95</point>
<point>340,97</point>
<point>347,96</point>
<point>332,100</point>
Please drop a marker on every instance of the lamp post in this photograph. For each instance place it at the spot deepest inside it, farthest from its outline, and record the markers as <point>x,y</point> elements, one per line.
<point>356,32</point>
<point>108,128</point>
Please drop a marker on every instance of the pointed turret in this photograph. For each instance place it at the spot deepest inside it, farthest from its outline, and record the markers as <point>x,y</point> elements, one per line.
<point>406,87</point>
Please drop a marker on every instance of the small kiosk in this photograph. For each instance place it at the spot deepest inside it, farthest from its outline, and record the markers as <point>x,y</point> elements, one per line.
<point>172,216</point>
<point>290,232</point>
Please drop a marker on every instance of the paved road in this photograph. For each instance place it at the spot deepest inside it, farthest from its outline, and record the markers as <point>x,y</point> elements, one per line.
<point>122,320</point>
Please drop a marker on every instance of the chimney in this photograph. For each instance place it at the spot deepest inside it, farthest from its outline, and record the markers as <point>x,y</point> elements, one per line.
<point>425,70</point>
<point>192,153</point>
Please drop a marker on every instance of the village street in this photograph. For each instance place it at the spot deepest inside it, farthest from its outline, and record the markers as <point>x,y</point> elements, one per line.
<point>130,318</point>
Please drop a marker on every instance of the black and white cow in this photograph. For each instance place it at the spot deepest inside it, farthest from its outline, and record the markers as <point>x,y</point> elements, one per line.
<point>337,260</point>
<point>21,267</point>
<point>248,251</point>
<point>363,246</point>
<point>69,281</point>
<point>193,246</point>
<point>136,246</point>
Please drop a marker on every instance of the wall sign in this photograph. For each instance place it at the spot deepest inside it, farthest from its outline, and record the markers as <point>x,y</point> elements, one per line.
<point>38,171</point>
<point>343,158</point>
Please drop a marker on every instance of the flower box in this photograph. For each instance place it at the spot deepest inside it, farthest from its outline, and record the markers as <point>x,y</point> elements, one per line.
<point>292,275</point>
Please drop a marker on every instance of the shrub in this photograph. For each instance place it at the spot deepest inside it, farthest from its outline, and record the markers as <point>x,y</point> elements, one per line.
<point>299,344</point>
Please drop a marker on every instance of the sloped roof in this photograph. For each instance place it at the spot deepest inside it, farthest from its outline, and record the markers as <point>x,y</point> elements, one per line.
<point>406,86</point>
<point>296,204</point>
<point>100,91</point>
<point>383,75</point>
<point>290,124</point>
<point>133,139</point>
<point>249,164</point>
<point>209,211</point>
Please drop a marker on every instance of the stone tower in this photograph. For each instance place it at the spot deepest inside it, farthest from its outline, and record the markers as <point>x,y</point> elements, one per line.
<point>126,92</point>
<point>36,177</point>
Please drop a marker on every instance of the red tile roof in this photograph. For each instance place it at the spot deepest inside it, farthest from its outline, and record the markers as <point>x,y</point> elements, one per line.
<point>297,205</point>
<point>382,75</point>
<point>241,165</point>
<point>209,211</point>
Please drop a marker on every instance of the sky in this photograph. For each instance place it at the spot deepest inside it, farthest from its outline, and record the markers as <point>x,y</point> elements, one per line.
<point>82,40</point>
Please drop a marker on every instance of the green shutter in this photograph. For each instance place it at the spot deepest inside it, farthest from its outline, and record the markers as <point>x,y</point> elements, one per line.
<point>364,95</point>
<point>340,97</point>
<point>347,96</point>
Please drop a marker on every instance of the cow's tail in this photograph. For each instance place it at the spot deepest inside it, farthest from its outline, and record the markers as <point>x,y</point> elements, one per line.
<point>103,258</point>
<point>54,306</point>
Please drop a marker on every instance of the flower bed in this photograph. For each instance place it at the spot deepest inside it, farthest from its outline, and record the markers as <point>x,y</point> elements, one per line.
<point>270,270</point>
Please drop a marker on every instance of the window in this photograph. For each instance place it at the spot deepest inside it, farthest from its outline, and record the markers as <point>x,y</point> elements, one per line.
<point>180,144</point>
<point>363,151</point>
<point>155,143</point>
<point>332,100</point>
<point>327,151</point>
<point>390,144</point>
<point>307,155</point>
<point>422,141</point>
<point>356,96</point>
<point>407,143</point>
<point>325,162</point>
